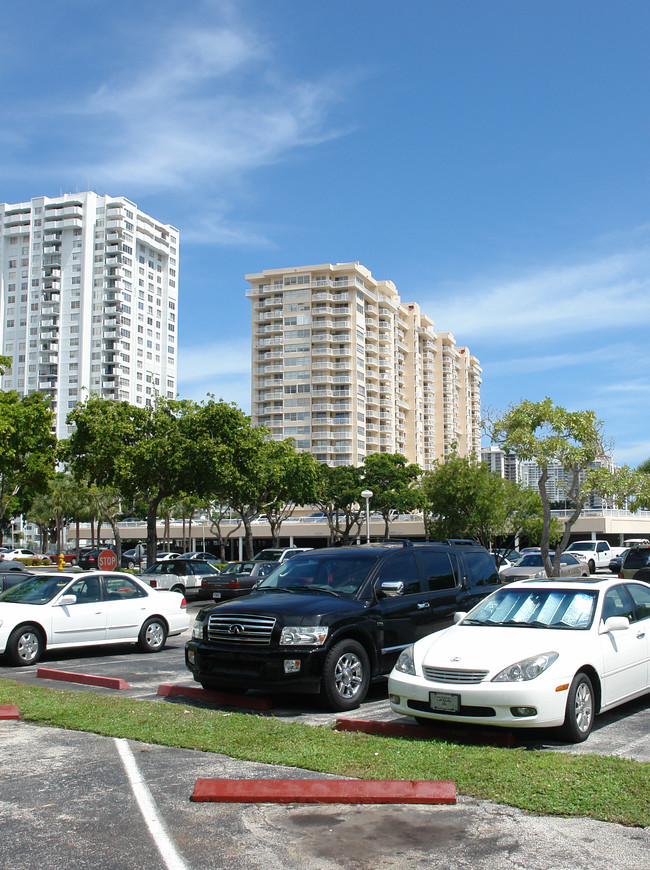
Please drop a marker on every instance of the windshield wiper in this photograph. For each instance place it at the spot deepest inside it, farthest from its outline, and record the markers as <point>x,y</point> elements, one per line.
<point>314,589</point>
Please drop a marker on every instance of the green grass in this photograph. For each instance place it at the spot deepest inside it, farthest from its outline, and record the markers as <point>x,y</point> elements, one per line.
<point>600,787</point>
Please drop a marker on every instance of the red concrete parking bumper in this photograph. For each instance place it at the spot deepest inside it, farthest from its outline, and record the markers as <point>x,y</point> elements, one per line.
<point>247,702</point>
<point>405,729</point>
<point>85,679</point>
<point>325,791</point>
<point>9,711</point>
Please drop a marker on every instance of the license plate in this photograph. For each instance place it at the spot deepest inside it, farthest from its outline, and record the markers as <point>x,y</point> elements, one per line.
<point>444,702</point>
<point>216,594</point>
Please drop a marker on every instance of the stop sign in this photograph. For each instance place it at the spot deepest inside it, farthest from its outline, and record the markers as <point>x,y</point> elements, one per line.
<point>107,560</point>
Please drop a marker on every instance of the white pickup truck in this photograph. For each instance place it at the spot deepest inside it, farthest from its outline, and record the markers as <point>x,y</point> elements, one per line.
<point>596,553</point>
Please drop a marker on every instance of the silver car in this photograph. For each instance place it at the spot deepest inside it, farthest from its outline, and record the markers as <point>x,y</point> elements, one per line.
<point>531,567</point>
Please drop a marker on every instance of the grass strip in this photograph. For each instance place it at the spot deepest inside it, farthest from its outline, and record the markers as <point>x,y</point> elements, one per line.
<point>549,783</point>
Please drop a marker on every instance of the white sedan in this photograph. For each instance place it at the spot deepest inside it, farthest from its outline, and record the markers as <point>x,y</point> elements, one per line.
<point>57,611</point>
<point>533,654</point>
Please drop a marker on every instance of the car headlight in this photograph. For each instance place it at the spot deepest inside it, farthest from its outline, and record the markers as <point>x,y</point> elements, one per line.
<point>197,629</point>
<point>526,669</point>
<point>303,635</point>
<point>540,575</point>
<point>405,663</point>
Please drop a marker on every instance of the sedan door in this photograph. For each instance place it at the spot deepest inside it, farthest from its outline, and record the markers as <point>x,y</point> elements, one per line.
<point>625,653</point>
<point>127,606</point>
<point>81,622</point>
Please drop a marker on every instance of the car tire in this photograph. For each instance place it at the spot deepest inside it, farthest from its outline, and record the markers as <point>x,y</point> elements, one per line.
<point>73,561</point>
<point>580,709</point>
<point>153,635</point>
<point>25,645</point>
<point>592,566</point>
<point>178,588</point>
<point>346,676</point>
<point>130,565</point>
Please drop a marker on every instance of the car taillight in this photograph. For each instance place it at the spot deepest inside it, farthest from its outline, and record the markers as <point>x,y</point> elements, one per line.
<point>153,584</point>
<point>621,576</point>
<point>234,584</point>
<point>183,603</point>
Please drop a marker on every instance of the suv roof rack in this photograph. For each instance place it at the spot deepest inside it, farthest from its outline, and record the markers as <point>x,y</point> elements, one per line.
<point>461,542</point>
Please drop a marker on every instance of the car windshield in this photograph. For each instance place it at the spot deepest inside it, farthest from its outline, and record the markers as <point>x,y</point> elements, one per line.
<point>337,573</point>
<point>536,608</point>
<point>38,590</point>
<point>268,556</point>
<point>532,560</point>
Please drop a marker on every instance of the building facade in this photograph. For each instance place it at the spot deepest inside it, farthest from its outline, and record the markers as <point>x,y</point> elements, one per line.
<point>504,464</point>
<point>88,300</point>
<point>346,368</point>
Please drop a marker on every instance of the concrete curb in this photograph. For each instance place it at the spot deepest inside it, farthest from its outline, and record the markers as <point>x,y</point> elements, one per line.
<point>325,791</point>
<point>85,679</point>
<point>9,711</point>
<point>230,700</point>
<point>404,729</point>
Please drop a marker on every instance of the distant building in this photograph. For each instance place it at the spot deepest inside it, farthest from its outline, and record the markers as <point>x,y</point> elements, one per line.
<point>506,465</point>
<point>346,368</point>
<point>88,300</point>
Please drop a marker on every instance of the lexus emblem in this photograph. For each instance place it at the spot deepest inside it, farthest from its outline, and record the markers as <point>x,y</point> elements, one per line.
<point>236,628</point>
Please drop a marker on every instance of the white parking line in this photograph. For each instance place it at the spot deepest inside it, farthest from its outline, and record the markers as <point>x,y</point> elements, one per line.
<point>165,846</point>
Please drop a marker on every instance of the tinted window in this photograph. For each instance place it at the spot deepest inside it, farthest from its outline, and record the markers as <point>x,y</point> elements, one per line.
<point>119,587</point>
<point>481,569</point>
<point>401,567</point>
<point>437,571</point>
<point>641,597</point>
<point>637,558</point>
<point>617,604</point>
<point>86,590</point>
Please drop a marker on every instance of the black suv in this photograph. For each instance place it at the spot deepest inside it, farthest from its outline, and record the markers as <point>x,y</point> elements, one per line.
<point>330,620</point>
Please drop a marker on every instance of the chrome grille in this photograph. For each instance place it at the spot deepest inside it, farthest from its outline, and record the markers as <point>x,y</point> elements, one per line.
<point>240,629</point>
<point>454,675</point>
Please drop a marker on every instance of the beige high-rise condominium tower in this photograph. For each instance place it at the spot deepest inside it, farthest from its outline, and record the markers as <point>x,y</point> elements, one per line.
<point>88,300</point>
<point>343,366</point>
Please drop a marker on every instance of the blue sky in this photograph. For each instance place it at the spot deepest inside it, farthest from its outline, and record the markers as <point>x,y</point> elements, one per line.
<point>491,157</point>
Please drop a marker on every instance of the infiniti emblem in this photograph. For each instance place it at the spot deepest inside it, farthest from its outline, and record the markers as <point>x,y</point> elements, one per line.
<point>235,628</point>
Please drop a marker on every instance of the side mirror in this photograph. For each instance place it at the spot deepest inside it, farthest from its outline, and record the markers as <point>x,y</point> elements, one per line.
<point>460,614</point>
<point>615,623</point>
<point>392,588</point>
<point>65,600</point>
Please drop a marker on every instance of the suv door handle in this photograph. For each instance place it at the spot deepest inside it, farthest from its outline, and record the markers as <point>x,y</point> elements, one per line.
<point>422,605</point>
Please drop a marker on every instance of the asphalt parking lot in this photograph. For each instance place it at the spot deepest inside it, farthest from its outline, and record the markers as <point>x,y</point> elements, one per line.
<point>79,799</point>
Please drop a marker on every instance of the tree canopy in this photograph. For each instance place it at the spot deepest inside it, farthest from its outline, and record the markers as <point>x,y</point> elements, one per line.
<point>27,450</point>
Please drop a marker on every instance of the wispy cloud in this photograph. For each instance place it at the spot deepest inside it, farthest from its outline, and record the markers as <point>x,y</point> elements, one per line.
<point>209,105</point>
<point>601,293</point>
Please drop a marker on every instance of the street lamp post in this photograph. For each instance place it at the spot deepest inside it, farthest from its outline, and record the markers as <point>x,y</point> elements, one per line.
<point>367,494</point>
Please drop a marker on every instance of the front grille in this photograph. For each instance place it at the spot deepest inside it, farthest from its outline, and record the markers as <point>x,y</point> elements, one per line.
<point>240,629</point>
<point>453,675</point>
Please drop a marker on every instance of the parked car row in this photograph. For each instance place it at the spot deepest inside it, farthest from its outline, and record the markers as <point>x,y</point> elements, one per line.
<point>458,642</point>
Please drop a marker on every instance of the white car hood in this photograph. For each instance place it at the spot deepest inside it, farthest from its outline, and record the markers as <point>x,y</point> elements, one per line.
<point>472,647</point>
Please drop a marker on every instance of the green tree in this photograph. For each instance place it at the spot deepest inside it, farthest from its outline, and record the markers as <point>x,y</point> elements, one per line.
<point>265,476</point>
<point>166,449</point>
<point>548,433</point>
<point>339,497</point>
<point>27,450</point>
<point>391,479</point>
<point>463,499</point>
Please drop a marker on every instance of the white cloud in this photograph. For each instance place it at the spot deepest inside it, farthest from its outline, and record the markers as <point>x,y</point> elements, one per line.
<point>207,108</point>
<point>604,293</point>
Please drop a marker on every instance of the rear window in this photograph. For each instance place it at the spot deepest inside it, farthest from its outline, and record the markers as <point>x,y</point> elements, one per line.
<point>637,558</point>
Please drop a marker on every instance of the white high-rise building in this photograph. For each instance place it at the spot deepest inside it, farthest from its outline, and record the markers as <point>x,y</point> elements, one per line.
<point>346,368</point>
<point>88,300</point>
